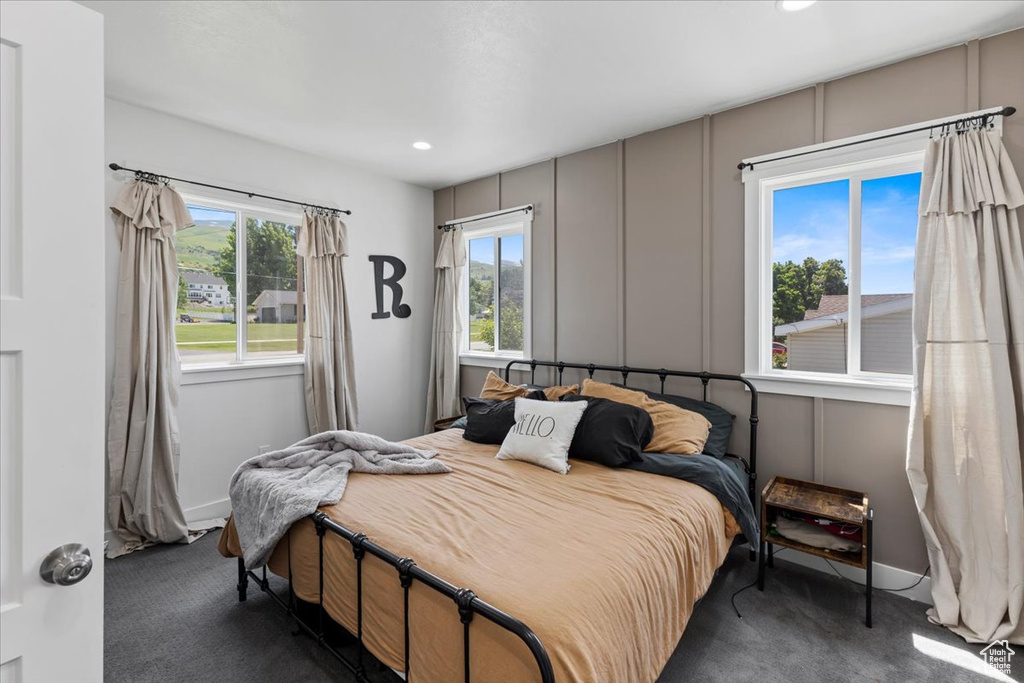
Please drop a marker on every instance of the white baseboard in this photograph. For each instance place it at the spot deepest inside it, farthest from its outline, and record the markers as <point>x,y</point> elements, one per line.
<point>884,576</point>
<point>218,508</point>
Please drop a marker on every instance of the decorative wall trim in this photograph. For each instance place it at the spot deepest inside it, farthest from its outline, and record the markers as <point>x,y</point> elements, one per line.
<point>705,246</point>
<point>819,113</point>
<point>553,245</point>
<point>620,261</point>
<point>973,75</point>
<point>819,439</point>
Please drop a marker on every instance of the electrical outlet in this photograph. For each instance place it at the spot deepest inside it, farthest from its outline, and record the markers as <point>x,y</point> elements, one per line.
<point>265,448</point>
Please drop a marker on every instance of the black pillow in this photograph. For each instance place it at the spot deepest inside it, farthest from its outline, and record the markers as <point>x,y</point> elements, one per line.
<point>488,419</point>
<point>720,419</point>
<point>611,433</point>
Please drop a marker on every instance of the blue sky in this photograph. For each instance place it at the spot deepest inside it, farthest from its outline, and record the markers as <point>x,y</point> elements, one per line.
<point>812,221</point>
<point>482,250</point>
<point>200,214</point>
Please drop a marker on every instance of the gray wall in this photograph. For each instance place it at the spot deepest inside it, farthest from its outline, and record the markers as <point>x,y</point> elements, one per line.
<point>638,253</point>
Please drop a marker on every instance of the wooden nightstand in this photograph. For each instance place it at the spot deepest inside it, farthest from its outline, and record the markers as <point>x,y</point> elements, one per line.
<point>843,506</point>
<point>444,423</point>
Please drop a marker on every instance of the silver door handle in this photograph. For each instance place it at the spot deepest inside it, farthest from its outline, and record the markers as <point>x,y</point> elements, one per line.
<point>66,565</point>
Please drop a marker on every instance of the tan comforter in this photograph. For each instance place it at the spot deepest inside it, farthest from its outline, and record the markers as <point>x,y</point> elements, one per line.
<point>603,564</point>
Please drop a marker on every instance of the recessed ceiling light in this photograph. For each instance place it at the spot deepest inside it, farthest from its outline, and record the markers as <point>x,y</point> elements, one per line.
<point>793,5</point>
<point>422,145</point>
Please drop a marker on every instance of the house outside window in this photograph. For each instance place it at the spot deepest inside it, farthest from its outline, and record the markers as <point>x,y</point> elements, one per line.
<point>228,239</point>
<point>495,289</point>
<point>829,262</point>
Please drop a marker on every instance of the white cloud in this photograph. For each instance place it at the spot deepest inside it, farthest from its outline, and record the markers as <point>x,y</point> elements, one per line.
<point>895,254</point>
<point>798,247</point>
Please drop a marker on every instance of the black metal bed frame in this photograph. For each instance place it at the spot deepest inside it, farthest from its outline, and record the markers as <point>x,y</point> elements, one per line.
<point>465,600</point>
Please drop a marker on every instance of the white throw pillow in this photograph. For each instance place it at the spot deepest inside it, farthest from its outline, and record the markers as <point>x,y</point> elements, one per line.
<point>542,433</point>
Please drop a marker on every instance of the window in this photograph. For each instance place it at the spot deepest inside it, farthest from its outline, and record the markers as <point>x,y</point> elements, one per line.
<point>830,258</point>
<point>227,240</point>
<point>496,289</point>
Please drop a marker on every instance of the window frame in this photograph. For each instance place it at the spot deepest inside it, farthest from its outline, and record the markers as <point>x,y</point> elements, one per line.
<point>243,367</point>
<point>859,163</point>
<point>483,226</point>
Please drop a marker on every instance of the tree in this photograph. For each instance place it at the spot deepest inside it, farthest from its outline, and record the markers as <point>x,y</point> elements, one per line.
<point>487,331</point>
<point>270,258</point>
<point>511,325</point>
<point>182,293</point>
<point>511,314</point>
<point>510,291</point>
<point>481,295</point>
<point>832,278</point>
<point>799,287</point>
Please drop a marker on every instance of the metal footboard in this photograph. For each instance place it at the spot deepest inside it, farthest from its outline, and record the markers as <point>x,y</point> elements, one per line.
<point>465,601</point>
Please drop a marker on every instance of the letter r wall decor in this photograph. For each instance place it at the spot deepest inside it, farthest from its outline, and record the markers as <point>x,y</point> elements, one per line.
<point>397,273</point>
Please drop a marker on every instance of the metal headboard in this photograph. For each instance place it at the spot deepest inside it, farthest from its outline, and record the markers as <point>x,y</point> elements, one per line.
<point>625,371</point>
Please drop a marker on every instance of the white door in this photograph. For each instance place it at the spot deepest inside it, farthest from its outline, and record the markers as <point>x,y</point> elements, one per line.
<point>52,394</point>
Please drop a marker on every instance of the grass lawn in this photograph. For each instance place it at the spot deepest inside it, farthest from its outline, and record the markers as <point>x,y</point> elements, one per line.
<point>221,336</point>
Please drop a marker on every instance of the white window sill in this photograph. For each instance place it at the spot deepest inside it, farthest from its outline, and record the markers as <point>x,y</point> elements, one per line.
<point>893,392</point>
<point>486,360</point>
<point>235,372</point>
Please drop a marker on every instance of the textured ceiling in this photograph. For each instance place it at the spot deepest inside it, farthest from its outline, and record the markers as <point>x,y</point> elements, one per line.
<point>494,85</point>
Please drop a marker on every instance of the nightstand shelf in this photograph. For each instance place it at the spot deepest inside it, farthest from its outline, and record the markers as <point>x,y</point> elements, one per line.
<point>843,506</point>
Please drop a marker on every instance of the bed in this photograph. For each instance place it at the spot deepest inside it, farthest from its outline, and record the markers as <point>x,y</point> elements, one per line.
<point>601,568</point>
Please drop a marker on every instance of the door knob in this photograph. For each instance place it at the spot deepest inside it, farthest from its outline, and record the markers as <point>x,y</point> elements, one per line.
<point>66,565</point>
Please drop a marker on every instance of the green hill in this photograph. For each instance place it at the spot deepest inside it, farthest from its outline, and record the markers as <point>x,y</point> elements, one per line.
<point>199,246</point>
<point>478,270</point>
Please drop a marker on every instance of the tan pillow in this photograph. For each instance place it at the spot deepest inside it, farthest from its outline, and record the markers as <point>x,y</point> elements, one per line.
<point>556,393</point>
<point>675,430</point>
<point>497,388</point>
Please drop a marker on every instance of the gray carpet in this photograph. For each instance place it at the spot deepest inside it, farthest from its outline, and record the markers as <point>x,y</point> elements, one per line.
<point>172,615</point>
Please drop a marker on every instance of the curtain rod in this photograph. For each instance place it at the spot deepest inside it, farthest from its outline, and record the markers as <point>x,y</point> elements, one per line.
<point>983,118</point>
<point>147,176</point>
<point>454,224</point>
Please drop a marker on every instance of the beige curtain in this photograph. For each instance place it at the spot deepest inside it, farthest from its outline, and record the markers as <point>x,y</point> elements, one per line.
<point>443,384</point>
<point>142,438</point>
<point>967,412</point>
<point>330,374</point>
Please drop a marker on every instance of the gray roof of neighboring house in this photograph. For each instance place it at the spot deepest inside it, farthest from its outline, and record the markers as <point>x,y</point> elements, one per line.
<point>831,304</point>
<point>832,310</point>
<point>194,277</point>
<point>275,297</point>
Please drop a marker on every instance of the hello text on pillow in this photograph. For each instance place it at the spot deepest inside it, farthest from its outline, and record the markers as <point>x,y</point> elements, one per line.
<point>542,433</point>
